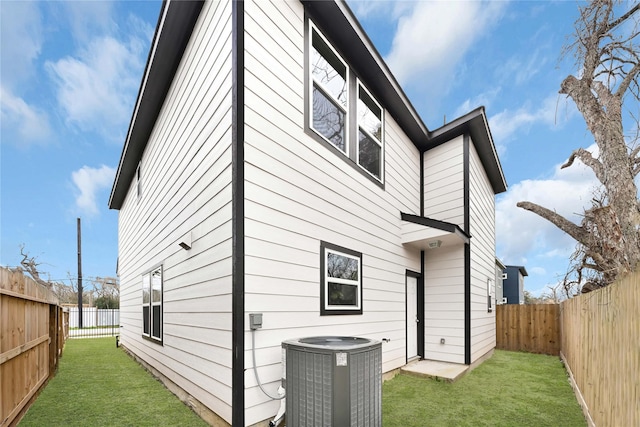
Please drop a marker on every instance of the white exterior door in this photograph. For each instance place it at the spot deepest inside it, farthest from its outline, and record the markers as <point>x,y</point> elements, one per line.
<point>412,317</point>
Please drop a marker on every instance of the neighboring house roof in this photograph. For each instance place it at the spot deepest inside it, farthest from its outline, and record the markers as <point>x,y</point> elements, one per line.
<point>520,268</point>
<point>499,264</point>
<point>175,25</point>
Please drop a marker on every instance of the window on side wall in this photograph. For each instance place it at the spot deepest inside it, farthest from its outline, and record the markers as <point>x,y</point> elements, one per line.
<point>341,280</point>
<point>342,113</point>
<point>490,291</point>
<point>152,289</point>
<point>329,93</point>
<point>369,133</point>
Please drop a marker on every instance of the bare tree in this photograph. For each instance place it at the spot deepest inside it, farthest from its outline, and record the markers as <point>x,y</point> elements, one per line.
<point>30,265</point>
<point>605,46</point>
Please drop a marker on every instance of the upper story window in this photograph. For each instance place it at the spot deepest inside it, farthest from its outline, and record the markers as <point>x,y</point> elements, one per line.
<point>369,133</point>
<point>342,112</point>
<point>139,180</point>
<point>330,92</point>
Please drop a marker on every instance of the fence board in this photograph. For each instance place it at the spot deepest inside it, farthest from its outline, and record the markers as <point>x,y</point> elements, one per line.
<point>601,344</point>
<point>532,327</point>
<point>29,345</point>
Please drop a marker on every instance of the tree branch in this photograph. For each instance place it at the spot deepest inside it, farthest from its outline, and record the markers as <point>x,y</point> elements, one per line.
<point>623,18</point>
<point>585,157</point>
<point>628,79</point>
<point>558,220</point>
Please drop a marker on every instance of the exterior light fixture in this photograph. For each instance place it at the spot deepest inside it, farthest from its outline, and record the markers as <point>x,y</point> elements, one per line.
<point>435,244</point>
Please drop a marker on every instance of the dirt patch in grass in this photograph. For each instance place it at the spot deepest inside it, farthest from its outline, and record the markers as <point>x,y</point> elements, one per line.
<point>510,389</point>
<point>97,384</point>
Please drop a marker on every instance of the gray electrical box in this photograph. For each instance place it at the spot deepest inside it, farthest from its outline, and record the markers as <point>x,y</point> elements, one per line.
<point>255,321</point>
<point>333,381</point>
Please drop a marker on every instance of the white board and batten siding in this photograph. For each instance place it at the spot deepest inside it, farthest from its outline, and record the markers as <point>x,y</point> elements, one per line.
<point>186,188</point>
<point>444,266</point>
<point>482,228</point>
<point>297,194</point>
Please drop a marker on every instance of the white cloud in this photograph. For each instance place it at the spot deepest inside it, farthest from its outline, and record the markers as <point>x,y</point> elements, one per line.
<point>89,182</point>
<point>96,87</point>
<point>88,18</point>
<point>522,69</point>
<point>22,124</point>
<point>523,235</point>
<point>435,35</point>
<point>21,35</point>
<point>552,111</point>
<point>366,8</point>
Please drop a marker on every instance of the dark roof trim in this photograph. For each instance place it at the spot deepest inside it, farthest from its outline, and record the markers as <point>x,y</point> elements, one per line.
<point>520,268</point>
<point>173,31</point>
<point>474,123</point>
<point>435,223</point>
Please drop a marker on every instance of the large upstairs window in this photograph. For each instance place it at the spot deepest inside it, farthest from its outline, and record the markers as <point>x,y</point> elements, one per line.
<point>330,92</point>
<point>342,113</point>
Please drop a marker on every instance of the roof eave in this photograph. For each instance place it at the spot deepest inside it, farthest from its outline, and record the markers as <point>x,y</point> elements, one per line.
<point>475,124</point>
<point>173,31</point>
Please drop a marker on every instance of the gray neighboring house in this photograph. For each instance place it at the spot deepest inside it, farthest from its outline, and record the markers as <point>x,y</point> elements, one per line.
<point>513,284</point>
<point>274,165</point>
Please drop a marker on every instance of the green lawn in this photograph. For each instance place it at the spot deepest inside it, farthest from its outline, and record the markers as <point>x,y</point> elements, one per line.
<point>510,389</point>
<point>97,384</point>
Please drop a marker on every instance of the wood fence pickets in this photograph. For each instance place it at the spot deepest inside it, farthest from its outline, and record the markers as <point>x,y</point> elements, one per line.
<point>532,328</point>
<point>31,341</point>
<point>598,336</point>
<point>601,345</point>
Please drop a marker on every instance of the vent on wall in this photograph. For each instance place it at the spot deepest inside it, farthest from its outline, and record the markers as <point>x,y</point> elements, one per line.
<point>333,381</point>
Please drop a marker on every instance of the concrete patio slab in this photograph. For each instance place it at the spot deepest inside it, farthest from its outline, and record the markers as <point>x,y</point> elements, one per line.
<point>442,371</point>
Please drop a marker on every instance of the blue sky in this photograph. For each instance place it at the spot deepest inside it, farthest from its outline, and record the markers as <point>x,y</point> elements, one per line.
<point>70,73</point>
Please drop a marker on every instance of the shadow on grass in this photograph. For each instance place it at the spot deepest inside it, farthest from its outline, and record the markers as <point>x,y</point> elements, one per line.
<point>97,384</point>
<point>510,389</point>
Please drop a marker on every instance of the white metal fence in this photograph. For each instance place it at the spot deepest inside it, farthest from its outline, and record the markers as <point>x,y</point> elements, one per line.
<point>95,322</point>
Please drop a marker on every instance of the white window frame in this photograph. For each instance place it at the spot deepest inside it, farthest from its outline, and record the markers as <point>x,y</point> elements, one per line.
<point>360,86</point>
<point>490,293</point>
<point>327,93</point>
<point>148,276</point>
<point>326,308</point>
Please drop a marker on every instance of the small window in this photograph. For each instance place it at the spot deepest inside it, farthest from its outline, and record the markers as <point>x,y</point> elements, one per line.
<point>138,180</point>
<point>330,96</point>
<point>369,133</point>
<point>341,280</point>
<point>152,289</point>
<point>489,295</point>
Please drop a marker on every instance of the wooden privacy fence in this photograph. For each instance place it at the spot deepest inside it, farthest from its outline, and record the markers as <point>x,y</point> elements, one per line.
<point>533,328</point>
<point>598,337</point>
<point>31,340</point>
<point>601,348</point>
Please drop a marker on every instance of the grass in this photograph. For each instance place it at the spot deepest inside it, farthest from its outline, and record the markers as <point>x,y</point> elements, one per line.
<point>97,384</point>
<point>510,389</point>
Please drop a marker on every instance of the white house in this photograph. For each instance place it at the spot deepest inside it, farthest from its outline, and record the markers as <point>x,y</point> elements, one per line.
<point>274,165</point>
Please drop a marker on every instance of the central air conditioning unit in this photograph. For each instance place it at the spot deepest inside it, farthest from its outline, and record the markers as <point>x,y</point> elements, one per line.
<point>333,381</point>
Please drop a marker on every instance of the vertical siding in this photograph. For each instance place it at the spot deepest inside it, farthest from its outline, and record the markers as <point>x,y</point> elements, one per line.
<point>298,193</point>
<point>186,187</point>
<point>482,228</point>
<point>444,303</point>
<point>443,182</point>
